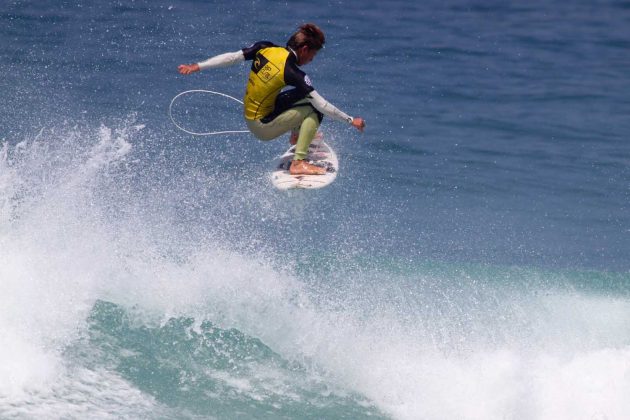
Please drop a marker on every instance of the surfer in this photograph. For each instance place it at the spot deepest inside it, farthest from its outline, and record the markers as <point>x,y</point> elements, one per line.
<point>269,113</point>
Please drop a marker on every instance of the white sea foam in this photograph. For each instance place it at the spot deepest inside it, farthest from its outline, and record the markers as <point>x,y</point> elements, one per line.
<point>81,393</point>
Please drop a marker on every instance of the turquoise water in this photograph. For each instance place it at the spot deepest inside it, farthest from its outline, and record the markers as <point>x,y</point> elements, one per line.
<point>470,261</point>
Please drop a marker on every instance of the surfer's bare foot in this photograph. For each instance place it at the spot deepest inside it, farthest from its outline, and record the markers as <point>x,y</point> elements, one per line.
<point>301,167</point>
<point>294,137</point>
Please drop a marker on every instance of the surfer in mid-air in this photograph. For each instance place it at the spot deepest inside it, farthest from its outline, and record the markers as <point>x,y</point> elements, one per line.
<point>269,113</point>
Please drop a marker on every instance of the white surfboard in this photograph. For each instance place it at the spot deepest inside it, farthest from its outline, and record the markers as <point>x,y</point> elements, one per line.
<point>320,154</point>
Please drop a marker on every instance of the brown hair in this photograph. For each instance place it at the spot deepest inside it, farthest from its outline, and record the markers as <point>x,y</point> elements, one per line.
<point>308,34</point>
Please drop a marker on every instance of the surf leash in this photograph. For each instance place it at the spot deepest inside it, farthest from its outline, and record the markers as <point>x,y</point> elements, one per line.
<point>208,133</point>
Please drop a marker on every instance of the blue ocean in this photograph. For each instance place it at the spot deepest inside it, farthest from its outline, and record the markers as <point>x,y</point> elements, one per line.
<point>470,261</point>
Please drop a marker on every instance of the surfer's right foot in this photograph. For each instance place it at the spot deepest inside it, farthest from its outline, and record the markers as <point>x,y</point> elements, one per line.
<point>301,167</point>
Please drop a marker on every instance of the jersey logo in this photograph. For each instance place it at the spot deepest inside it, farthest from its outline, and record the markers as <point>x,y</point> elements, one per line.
<point>263,68</point>
<point>307,80</point>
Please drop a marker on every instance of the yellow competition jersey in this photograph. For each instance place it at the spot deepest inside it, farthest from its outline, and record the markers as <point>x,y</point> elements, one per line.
<point>273,68</point>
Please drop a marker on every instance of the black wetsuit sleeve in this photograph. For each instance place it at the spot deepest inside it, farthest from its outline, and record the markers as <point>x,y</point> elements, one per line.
<point>293,76</point>
<point>250,52</point>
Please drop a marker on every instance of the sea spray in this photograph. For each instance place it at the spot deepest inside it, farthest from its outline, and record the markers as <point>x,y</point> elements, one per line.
<point>50,238</point>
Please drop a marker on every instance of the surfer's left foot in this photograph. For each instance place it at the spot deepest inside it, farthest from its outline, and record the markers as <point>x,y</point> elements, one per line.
<point>301,167</point>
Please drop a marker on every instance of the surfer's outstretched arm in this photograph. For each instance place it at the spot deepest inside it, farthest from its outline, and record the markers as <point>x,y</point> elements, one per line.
<point>221,60</point>
<point>326,108</point>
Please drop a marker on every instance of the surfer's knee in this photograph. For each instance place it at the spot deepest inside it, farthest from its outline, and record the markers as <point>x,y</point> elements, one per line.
<point>260,131</point>
<point>320,116</point>
<point>265,136</point>
<point>315,112</point>
<point>316,116</point>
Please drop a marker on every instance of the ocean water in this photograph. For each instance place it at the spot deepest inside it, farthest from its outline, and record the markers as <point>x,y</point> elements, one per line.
<point>471,261</point>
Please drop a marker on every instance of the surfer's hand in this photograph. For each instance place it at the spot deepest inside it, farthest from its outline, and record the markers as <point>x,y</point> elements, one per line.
<point>188,68</point>
<point>358,123</point>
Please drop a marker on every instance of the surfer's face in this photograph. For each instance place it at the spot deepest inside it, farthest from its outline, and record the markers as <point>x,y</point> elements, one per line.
<point>305,55</point>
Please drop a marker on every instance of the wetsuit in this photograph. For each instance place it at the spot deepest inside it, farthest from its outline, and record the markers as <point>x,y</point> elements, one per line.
<point>269,112</point>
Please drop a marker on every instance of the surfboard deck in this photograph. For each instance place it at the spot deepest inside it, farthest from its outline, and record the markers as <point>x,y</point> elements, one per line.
<point>319,153</point>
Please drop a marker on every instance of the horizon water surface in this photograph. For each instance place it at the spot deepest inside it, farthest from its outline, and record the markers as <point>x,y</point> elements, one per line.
<point>470,261</point>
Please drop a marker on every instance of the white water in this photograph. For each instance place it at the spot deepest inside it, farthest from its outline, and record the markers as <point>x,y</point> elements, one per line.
<point>416,346</point>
